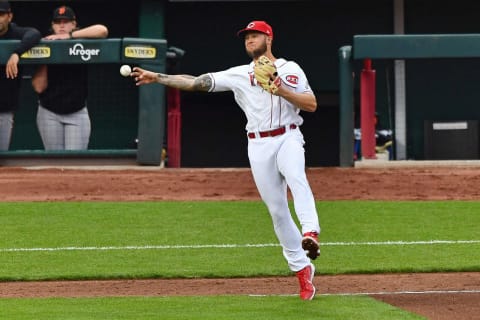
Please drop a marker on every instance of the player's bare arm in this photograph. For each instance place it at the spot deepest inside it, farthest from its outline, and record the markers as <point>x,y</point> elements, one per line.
<point>304,101</point>
<point>11,68</point>
<point>178,81</point>
<point>40,79</point>
<point>202,83</point>
<point>186,82</point>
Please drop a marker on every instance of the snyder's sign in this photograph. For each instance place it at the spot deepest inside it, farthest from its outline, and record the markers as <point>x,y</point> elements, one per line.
<point>37,52</point>
<point>140,52</point>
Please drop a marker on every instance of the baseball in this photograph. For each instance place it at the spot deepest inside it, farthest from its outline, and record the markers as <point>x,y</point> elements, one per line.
<point>125,70</point>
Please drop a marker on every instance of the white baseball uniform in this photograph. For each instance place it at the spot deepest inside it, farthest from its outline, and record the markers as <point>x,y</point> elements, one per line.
<point>275,151</point>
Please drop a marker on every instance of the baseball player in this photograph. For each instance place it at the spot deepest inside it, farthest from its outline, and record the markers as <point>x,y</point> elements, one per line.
<point>62,118</point>
<point>271,94</point>
<point>10,73</point>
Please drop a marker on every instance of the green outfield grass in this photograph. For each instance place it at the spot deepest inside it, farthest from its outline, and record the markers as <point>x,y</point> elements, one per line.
<point>103,240</point>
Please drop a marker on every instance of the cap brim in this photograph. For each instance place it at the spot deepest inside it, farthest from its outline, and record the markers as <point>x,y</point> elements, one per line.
<point>239,33</point>
<point>63,18</point>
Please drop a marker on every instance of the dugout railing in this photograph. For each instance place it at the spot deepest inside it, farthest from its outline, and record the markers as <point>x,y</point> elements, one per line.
<point>145,104</point>
<point>394,47</point>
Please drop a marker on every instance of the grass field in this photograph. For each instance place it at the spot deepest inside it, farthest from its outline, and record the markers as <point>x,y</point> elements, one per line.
<point>201,308</point>
<point>102,240</point>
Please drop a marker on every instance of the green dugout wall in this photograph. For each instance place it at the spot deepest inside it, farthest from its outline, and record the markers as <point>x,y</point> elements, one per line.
<point>114,102</point>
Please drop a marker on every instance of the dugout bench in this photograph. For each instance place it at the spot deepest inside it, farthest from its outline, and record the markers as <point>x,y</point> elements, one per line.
<point>146,143</point>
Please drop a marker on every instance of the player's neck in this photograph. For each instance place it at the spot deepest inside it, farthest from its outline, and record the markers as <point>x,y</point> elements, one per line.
<point>269,55</point>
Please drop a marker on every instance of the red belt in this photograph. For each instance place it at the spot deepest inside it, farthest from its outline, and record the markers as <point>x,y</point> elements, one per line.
<point>272,133</point>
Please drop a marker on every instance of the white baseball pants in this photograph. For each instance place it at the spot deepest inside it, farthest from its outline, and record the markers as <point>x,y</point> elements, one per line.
<point>277,163</point>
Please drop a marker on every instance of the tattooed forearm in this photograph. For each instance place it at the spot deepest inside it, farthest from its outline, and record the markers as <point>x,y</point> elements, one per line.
<point>185,82</point>
<point>202,83</point>
<point>182,82</point>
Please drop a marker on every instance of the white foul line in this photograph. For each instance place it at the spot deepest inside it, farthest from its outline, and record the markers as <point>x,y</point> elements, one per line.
<point>400,243</point>
<point>381,293</point>
<point>222,246</point>
<point>147,247</point>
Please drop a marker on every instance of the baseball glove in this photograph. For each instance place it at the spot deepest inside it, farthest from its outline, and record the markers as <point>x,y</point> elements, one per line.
<point>266,74</point>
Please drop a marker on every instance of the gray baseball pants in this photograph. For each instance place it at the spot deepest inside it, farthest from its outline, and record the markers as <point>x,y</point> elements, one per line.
<point>6,126</point>
<point>64,131</point>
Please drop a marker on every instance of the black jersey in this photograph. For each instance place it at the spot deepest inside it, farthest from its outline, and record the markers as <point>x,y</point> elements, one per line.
<point>9,88</point>
<point>67,88</point>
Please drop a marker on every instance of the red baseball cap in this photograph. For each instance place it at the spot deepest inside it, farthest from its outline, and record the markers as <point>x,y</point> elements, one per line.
<point>260,26</point>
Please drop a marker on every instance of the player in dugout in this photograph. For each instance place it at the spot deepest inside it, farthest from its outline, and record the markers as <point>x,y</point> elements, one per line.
<point>62,118</point>
<point>11,72</point>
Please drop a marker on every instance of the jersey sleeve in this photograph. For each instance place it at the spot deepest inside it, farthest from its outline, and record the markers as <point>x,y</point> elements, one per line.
<point>228,80</point>
<point>29,38</point>
<point>293,75</point>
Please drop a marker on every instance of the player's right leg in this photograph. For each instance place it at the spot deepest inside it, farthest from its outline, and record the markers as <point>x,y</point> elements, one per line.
<point>6,126</point>
<point>291,162</point>
<point>50,129</point>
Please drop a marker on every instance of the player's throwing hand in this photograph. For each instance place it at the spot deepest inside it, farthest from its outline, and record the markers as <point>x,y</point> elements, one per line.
<point>143,76</point>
